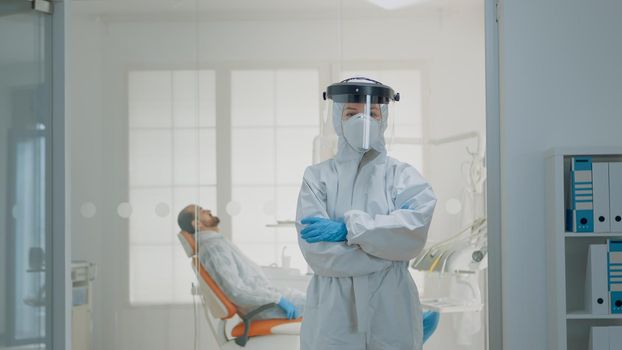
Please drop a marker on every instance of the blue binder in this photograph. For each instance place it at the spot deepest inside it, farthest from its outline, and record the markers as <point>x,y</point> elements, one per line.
<point>614,279</point>
<point>580,215</point>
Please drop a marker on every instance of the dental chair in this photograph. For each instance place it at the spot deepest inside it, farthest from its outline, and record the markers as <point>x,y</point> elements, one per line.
<point>218,308</point>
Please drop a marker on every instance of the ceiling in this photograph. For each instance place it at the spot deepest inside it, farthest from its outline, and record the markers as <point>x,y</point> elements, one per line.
<point>260,9</point>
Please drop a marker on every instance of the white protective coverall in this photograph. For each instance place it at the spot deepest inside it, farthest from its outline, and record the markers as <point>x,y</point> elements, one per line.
<point>362,295</point>
<point>241,279</point>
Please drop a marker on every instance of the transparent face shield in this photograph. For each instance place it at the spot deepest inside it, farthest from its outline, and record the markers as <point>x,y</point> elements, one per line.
<point>360,111</point>
<point>361,123</point>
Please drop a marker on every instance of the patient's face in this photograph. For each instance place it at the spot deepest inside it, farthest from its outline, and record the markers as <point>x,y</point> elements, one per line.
<point>205,217</point>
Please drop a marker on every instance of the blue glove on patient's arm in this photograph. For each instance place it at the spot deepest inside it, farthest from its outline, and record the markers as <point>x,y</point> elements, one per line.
<point>323,230</point>
<point>289,308</point>
<point>430,322</point>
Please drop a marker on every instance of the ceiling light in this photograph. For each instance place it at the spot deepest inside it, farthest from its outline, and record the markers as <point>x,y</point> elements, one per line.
<point>396,4</point>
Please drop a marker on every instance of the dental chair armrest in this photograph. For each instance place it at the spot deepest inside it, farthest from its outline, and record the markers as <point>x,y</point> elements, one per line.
<point>241,341</point>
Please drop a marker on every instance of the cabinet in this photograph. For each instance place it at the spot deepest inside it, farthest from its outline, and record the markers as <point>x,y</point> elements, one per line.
<point>567,253</point>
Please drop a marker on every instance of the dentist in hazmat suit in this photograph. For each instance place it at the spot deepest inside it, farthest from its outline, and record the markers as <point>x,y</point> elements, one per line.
<point>361,217</point>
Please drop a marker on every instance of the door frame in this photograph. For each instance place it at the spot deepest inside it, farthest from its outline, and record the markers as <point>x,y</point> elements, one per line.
<point>493,176</point>
<point>60,239</point>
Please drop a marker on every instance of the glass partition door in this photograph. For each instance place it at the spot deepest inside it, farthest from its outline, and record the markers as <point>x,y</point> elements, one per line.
<point>25,114</point>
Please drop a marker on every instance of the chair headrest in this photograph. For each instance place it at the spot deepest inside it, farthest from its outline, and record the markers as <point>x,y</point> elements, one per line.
<point>188,243</point>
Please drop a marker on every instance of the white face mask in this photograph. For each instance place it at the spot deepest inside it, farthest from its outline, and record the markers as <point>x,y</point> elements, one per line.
<point>361,131</point>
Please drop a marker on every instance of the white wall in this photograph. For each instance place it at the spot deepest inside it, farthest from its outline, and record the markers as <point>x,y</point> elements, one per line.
<point>561,86</point>
<point>449,47</point>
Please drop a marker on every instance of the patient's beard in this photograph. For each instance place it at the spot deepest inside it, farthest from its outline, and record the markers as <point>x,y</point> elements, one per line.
<point>216,221</point>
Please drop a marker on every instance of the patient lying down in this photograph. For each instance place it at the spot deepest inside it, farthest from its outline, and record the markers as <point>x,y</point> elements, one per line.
<point>239,278</point>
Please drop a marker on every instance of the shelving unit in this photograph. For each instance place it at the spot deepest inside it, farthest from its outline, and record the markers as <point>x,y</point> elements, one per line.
<point>592,235</point>
<point>582,315</point>
<point>568,325</point>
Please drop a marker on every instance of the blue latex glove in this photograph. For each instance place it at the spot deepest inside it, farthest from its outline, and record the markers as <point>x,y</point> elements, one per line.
<point>323,230</point>
<point>289,308</point>
<point>430,322</point>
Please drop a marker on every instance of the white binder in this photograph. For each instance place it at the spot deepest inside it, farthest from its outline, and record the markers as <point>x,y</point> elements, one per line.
<point>596,284</point>
<point>599,338</point>
<point>600,179</point>
<point>605,338</point>
<point>615,337</point>
<point>615,195</point>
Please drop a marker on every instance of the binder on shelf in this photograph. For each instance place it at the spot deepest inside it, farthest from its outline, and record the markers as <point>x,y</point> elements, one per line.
<point>605,338</point>
<point>596,293</point>
<point>615,196</point>
<point>615,337</point>
<point>599,338</point>
<point>580,214</point>
<point>614,275</point>
<point>600,180</point>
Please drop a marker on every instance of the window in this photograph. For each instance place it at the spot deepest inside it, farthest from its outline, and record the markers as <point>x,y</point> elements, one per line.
<point>275,117</point>
<point>172,162</point>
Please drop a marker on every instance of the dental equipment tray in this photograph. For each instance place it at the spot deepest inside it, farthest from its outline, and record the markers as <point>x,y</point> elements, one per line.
<point>448,305</point>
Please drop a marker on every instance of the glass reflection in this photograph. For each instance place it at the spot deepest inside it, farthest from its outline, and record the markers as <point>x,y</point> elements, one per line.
<point>25,111</point>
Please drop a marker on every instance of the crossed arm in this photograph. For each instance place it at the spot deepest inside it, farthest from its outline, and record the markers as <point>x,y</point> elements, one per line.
<point>371,243</point>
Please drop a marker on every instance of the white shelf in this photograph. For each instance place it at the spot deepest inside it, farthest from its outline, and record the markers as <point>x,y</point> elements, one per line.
<point>566,257</point>
<point>583,315</point>
<point>594,234</point>
<point>583,151</point>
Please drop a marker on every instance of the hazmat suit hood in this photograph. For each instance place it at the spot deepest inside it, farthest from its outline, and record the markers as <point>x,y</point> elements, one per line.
<point>345,151</point>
